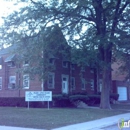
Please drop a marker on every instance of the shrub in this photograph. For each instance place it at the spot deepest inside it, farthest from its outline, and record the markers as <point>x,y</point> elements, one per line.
<point>83,98</point>
<point>18,102</point>
<point>114,96</point>
<point>93,99</point>
<point>60,100</point>
<point>13,101</point>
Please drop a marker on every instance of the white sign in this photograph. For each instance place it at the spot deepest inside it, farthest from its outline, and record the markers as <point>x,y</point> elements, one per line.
<point>38,96</point>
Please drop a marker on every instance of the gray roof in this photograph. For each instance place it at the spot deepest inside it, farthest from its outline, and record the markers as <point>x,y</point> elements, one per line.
<point>7,50</point>
<point>10,58</point>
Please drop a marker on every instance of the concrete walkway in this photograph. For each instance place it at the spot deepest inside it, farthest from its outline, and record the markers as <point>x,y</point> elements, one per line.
<point>96,124</point>
<point>91,125</point>
<point>16,128</point>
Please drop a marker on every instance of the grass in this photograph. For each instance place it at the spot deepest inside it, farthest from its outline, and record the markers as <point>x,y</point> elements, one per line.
<point>47,119</point>
<point>121,106</point>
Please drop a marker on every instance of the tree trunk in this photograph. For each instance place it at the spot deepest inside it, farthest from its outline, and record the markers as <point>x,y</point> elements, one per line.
<point>105,93</point>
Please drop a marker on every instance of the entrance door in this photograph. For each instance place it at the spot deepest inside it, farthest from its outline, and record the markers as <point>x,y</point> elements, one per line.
<point>65,84</point>
<point>122,91</point>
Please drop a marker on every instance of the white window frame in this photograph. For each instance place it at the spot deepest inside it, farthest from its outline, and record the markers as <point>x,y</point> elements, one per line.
<point>100,84</point>
<point>0,67</point>
<point>73,82</point>
<point>12,64</point>
<point>65,65</point>
<point>83,84</point>
<point>12,83</point>
<point>28,81</point>
<point>26,64</point>
<point>0,83</point>
<point>53,81</point>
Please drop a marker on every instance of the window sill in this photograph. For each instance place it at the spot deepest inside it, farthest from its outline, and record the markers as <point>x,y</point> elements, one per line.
<point>26,88</point>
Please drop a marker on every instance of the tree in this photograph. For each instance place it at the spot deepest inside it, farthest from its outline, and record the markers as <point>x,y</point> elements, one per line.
<point>98,24</point>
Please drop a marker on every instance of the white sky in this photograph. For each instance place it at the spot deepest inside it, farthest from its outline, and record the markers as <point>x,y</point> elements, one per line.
<point>7,7</point>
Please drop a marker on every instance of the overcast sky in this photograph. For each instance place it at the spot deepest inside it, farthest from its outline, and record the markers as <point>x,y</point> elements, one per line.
<point>7,7</point>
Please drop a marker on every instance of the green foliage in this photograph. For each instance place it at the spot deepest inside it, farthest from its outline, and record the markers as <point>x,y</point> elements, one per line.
<point>61,100</point>
<point>114,96</point>
<point>84,98</point>
<point>96,28</point>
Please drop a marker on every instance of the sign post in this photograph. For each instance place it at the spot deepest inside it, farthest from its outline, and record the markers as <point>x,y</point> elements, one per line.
<point>28,105</point>
<point>38,96</point>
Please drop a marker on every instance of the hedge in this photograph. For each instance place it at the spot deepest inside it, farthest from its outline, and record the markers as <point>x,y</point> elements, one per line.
<point>61,101</point>
<point>18,102</point>
<point>83,98</point>
<point>58,100</point>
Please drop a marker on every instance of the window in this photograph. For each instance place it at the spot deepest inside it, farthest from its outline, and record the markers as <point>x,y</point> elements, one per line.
<point>92,84</point>
<point>100,85</point>
<point>73,66</point>
<point>26,81</point>
<point>1,61</point>
<point>0,83</point>
<point>12,82</point>
<point>51,61</point>
<point>65,64</point>
<point>26,63</point>
<point>92,71</point>
<point>73,82</point>
<point>83,84</point>
<point>11,64</point>
<point>51,80</point>
<point>0,66</point>
<point>11,60</point>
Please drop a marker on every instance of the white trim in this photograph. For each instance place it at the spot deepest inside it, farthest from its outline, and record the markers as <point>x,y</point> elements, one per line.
<point>25,64</point>
<point>67,81</point>
<point>0,83</point>
<point>1,67</point>
<point>27,81</point>
<point>12,82</point>
<point>53,81</point>
<point>99,85</point>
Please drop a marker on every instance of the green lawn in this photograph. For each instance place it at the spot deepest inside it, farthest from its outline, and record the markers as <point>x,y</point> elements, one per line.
<point>122,106</point>
<point>48,119</point>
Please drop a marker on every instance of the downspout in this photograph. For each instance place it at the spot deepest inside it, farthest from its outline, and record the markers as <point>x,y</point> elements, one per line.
<point>70,78</point>
<point>42,84</point>
<point>6,76</point>
<point>19,79</point>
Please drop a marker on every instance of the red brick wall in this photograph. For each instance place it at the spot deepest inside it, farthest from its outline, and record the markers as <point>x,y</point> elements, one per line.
<point>35,85</point>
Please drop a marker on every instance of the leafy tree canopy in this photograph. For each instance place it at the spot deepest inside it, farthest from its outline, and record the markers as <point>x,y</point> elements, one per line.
<point>100,28</point>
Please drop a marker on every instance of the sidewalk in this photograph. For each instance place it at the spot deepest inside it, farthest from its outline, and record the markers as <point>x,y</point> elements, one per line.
<point>16,128</point>
<point>96,124</point>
